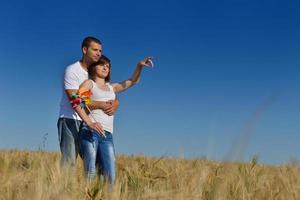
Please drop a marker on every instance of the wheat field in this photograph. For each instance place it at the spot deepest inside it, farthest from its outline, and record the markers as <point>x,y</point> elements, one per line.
<point>38,175</point>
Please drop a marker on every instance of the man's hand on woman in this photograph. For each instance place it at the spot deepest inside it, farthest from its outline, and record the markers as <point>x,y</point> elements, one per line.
<point>110,107</point>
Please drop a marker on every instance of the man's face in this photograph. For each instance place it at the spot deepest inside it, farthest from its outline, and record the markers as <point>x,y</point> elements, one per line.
<point>93,52</point>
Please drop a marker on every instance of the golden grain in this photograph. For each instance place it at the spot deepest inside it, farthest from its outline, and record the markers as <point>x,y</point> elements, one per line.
<point>38,175</point>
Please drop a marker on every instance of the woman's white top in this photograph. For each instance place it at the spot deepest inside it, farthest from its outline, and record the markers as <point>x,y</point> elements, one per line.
<point>99,94</point>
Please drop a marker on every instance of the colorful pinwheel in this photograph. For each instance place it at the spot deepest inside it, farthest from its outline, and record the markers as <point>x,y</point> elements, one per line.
<point>81,98</point>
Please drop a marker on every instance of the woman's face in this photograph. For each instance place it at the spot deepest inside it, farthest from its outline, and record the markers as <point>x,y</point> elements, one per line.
<point>102,70</point>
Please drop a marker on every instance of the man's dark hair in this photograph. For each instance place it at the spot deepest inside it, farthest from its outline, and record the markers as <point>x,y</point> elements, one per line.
<point>93,68</point>
<point>87,41</point>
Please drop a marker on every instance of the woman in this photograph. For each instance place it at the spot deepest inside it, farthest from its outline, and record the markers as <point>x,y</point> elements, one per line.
<point>96,144</point>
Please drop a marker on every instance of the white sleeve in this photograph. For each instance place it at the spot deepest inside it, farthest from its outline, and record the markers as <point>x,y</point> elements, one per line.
<point>71,80</point>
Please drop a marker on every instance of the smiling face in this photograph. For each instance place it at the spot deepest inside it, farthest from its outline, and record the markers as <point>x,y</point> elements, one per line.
<point>102,70</point>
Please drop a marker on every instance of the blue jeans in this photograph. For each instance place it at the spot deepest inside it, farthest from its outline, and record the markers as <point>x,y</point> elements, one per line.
<point>97,151</point>
<point>68,135</point>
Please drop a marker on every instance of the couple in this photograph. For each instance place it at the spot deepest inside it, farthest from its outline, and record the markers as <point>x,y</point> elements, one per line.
<point>90,134</point>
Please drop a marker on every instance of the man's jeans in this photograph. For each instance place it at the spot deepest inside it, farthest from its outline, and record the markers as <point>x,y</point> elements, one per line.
<point>97,150</point>
<point>68,134</point>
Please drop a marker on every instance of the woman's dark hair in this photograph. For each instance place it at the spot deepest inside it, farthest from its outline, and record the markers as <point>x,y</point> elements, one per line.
<point>93,68</point>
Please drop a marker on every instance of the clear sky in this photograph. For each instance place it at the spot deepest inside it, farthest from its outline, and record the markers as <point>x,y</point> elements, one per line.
<point>225,83</point>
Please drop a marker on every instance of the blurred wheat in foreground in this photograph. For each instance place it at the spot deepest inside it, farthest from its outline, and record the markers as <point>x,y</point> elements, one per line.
<point>37,175</point>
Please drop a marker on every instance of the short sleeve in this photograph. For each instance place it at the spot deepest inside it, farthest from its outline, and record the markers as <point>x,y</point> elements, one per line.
<point>71,80</point>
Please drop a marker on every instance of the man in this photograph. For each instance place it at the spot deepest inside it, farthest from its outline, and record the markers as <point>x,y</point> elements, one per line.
<point>69,122</point>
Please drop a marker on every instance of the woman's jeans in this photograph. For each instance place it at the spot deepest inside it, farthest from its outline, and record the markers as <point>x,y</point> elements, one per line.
<point>97,150</point>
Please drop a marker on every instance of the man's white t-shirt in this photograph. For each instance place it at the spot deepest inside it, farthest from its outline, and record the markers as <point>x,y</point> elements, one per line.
<point>74,76</point>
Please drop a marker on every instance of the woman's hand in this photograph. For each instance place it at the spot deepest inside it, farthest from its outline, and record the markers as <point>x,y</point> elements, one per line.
<point>148,62</point>
<point>97,127</point>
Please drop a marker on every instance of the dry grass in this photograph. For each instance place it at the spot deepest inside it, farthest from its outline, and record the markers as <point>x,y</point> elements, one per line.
<point>37,175</point>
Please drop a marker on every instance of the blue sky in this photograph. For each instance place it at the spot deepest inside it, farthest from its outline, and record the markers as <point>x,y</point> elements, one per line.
<point>217,63</point>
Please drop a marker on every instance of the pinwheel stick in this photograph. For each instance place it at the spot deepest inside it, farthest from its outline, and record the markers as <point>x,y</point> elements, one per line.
<point>90,112</point>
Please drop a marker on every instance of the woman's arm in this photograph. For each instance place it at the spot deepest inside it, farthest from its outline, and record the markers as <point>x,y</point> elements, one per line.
<point>85,86</point>
<point>119,87</point>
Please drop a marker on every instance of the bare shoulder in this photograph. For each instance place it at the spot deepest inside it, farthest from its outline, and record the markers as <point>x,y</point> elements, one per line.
<point>88,84</point>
